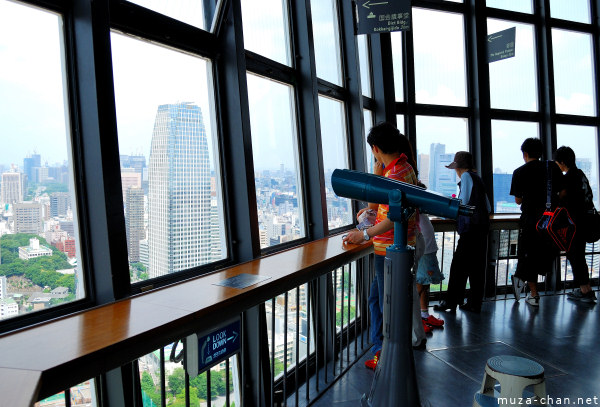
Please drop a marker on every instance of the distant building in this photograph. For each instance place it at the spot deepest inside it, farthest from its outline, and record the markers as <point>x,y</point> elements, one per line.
<point>134,221</point>
<point>12,190</point>
<point>130,179</point>
<point>60,202</point>
<point>66,246</point>
<point>34,250</point>
<point>40,174</point>
<point>441,179</point>
<point>28,217</point>
<point>8,308</point>
<point>3,287</point>
<point>29,163</point>
<point>502,190</point>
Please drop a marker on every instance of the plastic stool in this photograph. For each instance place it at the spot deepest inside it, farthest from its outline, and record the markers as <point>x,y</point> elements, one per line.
<point>514,374</point>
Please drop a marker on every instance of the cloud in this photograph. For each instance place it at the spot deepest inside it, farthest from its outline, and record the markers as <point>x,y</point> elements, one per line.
<point>576,103</point>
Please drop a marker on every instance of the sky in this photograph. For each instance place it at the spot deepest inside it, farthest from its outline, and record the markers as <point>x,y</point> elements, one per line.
<point>32,103</point>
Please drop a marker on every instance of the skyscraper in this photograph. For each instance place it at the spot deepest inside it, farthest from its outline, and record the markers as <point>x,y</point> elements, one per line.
<point>28,217</point>
<point>12,187</point>
<point>441,179</point>
<point>60,202</point>
<point>31,162</point>
<point>179,212</point>
<point>134,221</point>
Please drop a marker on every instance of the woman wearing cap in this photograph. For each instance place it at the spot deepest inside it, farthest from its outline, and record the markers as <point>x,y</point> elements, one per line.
<point>469,259</point>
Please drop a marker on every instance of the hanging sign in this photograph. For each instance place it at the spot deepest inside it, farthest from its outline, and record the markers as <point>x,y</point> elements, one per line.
<point>501,45</point>
<point>381,16</point>
<point>204,350</point>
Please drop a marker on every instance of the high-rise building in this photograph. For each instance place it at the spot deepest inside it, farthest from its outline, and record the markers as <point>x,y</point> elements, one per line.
<point>29,163</point>
<point>134,221</point>
<point>441,179</point>
<point>179,213</point>
<point>60,202</point>
<point>12,187</point>
<point>130,179</point>
<point>423,166</point>
<point>28,217</point>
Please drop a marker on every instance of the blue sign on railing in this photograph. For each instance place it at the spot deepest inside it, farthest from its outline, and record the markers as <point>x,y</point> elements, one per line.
<point>218,345</point>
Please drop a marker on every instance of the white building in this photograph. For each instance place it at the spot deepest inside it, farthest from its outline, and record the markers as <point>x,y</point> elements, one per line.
<point>8,308</point>
<point>34,250</point>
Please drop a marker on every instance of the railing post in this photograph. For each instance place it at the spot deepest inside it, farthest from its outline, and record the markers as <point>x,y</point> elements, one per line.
<point>492,260</point>
<point>256,372</point>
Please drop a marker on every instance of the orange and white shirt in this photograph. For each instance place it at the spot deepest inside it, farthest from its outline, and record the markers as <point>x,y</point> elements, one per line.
<point>400,170</point>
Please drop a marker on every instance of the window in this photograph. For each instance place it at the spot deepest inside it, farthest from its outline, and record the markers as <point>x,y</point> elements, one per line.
<point>398,68</point>
<point>584,142</point>
<point>41,257</point>
<point>327,40</point>
<point>507,137</point>
<point>169,167</point>
<point>365,64</point>
<point>335,155</point>
<point>573,73</point>
<point>440,73</point>
<point>513,81</point>
<point>574,10</point>
<point>276,165</point>
<point>522,6</point>
<point>266,29</point>
<point>438,139</point>
<point>368,119</point>
<point>197,13</point>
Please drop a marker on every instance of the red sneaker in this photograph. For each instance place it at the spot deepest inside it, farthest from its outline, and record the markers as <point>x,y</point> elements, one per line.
<point>433,321</point>
<point>372,363</point>
<point>426,327</point>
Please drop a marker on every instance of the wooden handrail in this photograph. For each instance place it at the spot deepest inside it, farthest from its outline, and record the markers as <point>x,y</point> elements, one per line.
<point>42,360</point>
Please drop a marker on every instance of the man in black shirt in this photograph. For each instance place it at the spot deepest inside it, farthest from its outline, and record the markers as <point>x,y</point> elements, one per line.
<point>529,187</point>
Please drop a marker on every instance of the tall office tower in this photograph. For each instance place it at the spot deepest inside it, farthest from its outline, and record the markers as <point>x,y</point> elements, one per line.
<point>179,191</point>
<point>40,174</point>
<point>60,202</point>
<point>216,251</point>
<point>134,222</point>
<point>12,187</point>
<point>423,166</point>
<point>130,178</point>
<point>28,217</point>
<point>29,163</point>
<point>441,179</point>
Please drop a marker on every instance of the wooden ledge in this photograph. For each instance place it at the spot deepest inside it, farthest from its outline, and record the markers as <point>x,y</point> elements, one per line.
<point>67,351</point>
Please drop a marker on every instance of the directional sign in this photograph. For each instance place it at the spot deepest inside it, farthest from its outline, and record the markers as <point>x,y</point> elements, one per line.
<point>218,345</point>
<point>381,16</point>
<point>501,45</point>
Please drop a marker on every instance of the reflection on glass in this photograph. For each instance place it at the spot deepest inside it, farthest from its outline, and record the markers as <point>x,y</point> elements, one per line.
<point>513,81</point>
<point>335,155</point>
<point>584,142</point>
<point>440,73</point>
<point>288,330</point>
<point>398,68</point>
<point>438,139</point>
<point>169,167</point>
<point>276,165</point>
<point>326,40</point>
<point>573,73</point>
<point>574,10</point>
<point>507,138</point>
<point>39,231</point>
<point>266,29</point>
<point>368,119</point>
<point>523,6</point>
<point>191,12</point>
<point>365,63</point>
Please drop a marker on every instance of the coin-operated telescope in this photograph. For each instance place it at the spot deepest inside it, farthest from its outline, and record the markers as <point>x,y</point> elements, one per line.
<point>395,382</point>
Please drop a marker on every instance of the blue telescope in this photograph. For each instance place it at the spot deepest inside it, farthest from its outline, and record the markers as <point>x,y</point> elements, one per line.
<point>373,188</point>
<point>395,382</point>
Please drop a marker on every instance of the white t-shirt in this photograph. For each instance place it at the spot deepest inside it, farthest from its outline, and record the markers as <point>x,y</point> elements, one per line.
<point>428,234</point>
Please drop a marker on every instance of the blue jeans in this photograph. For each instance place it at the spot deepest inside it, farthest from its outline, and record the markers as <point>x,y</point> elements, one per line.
<point>376,305</point>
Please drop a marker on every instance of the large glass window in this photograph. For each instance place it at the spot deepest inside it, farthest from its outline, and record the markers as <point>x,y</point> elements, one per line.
<point>365,64</point>
<point>335,155</point>
<point>584,142</point>
<point>574,10</point>
<point>327,40</point>
<point>276,166</point>
<point>368,119</point>
<point>507,137</point>
<point>513,81</point>
<point>438,139</point>
<point>440,73</point>
<point>266,29</point>
<point>523,6</point>
<point>196,13</point>
<point>39,230</point>
<point>398,68</point>
<point>573,73</point>
<point>169,167</point>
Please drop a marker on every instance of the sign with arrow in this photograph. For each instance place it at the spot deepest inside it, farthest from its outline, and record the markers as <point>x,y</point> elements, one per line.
<point>501,45</point>
<point>218,345</point>
<point>381,16</point>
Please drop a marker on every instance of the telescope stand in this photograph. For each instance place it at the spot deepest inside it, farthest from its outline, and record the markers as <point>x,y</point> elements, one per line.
<point>395,382</point>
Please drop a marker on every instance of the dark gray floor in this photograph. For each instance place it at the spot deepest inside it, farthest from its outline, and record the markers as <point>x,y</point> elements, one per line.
<point>564,337</point>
